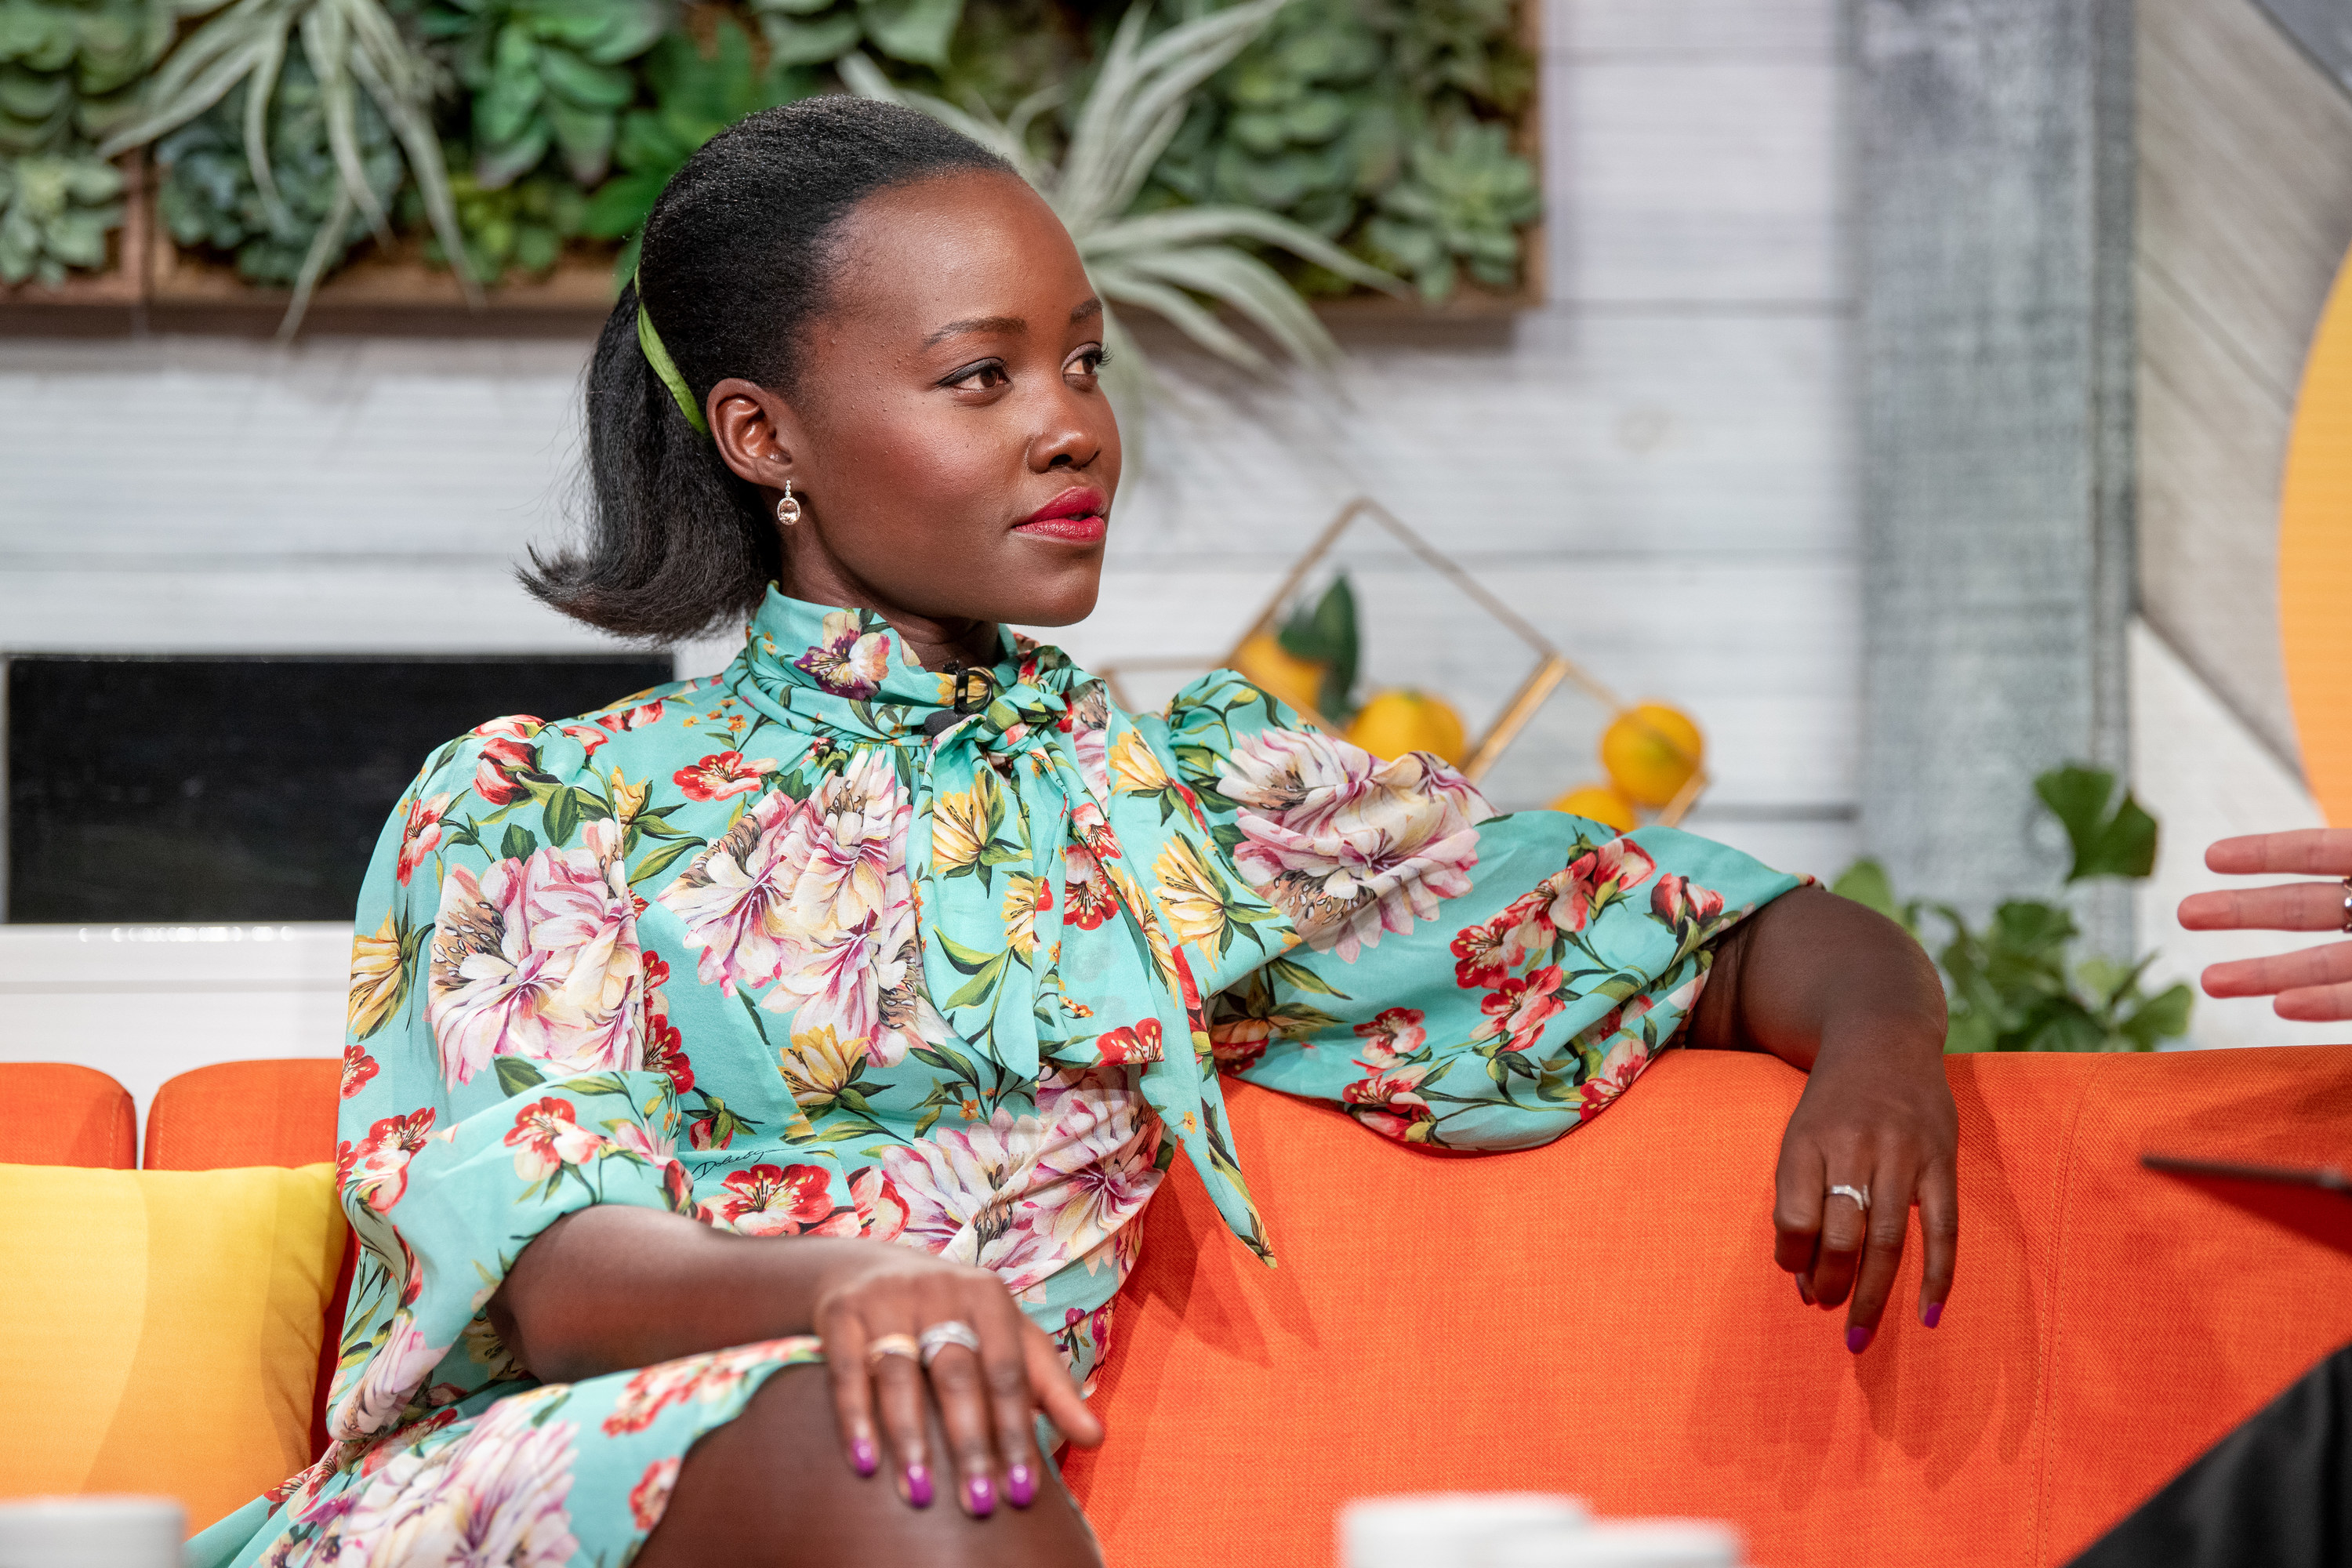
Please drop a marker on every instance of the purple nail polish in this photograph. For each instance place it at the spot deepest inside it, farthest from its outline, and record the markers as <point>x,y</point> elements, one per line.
<point>861,1455</point>
<point>1020,1486</point>
<point>919,1486</point>
<point>980,1496</point>
<point>1857,1339</point>
<point>1805,1293</point>
<point>1932,1313</point>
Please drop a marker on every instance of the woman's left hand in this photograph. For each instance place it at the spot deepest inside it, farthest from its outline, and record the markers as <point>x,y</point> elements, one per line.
<point>1877,1116</point>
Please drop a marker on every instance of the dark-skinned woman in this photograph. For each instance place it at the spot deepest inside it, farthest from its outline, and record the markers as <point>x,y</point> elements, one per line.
<point>752,1087</point>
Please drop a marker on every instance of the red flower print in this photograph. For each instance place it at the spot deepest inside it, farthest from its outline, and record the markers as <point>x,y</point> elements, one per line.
<point>1517,1010</point>
<point>656,969</point>
<point>678,1188</point>
<point>765,1201</point>
<point>1393,1037</point>
<point>704,1135</point>
<point>666,1052</point>
<point>496,774</point>
<point>375,1169</point>
<point>635,717</point>
<point>722,774</point>
<point>420,835</point>
<point>1479,964</point>
<point>1677,899</point>
<point>546,1137</point>
<point>358,1067</point>
<point>650,1499</point>
<point>1089,903</point>
<point>1141,1043</point>
<point>1597,879</point>
<point>1388,1104</point>
<point>1237,1042</point>
<point>1617,1074</point>
<point>589,736</point>
<point>881,1212</point>
<point>1092,830</point>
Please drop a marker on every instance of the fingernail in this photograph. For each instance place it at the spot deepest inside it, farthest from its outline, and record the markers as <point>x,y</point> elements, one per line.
<point>861,1455</point>
<point>1857,1339</point>
<point>1805,1293</point>
<point>919,1486</point>
<point>980,1496</point>
<point>1020,1486</point>
<point>1932,1313</point>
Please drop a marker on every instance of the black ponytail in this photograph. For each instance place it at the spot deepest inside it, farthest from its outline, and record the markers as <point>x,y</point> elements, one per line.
<point>736,260</point>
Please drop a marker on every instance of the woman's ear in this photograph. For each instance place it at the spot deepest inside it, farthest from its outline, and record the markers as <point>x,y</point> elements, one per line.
<point>755,432</point>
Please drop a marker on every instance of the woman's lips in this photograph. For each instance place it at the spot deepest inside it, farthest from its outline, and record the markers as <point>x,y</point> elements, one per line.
<point>1075,517</point>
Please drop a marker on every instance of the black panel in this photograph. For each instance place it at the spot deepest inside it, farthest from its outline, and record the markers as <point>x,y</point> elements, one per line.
<point>241,789</point>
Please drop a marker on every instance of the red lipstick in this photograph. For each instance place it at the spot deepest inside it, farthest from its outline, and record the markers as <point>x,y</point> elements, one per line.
<point>1074,517</point>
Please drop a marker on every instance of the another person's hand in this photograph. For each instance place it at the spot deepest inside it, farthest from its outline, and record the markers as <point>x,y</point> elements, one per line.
<point>2315,983</point>
<point>872,1306</point>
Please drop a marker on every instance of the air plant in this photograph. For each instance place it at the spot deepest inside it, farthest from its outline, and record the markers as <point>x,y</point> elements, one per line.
<point>351,46</point>
<point>1169,261</point>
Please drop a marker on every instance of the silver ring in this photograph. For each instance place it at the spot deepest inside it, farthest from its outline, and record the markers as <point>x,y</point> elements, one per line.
<point>2348,906</point>
<point>939,1336</point>
<point>1861,1196</point>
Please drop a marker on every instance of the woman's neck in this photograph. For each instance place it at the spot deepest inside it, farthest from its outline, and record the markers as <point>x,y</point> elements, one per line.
<point>934,642</point>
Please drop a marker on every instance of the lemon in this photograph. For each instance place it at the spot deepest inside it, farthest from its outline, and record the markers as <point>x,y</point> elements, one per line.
<point>1280,673</point>
<point>1395,722</point>
<point>1651,752</point>
<point>1602,805</point>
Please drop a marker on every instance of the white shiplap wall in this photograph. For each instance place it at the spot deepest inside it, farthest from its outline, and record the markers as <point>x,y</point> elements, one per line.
<point>1655,467</point>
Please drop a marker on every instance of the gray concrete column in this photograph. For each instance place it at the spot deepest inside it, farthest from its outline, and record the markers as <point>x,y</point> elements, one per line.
<point>1994,282</point>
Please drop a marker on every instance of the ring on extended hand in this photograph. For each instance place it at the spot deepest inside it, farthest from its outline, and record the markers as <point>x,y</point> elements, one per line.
<point>954,1331</point>
<point>889,1345</point>
<point>1861,1196</point>
<point>2347,905</point>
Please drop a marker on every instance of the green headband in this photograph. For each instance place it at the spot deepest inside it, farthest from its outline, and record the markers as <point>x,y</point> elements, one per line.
<point>650,341</point>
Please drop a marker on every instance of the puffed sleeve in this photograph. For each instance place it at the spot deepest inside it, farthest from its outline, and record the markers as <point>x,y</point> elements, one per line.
<point>1460,978</point>
<point>491,1081</point>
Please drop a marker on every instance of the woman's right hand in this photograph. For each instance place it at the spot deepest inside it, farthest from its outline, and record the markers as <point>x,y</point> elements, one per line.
<point>2315,983</point>
<point>871,1295</point>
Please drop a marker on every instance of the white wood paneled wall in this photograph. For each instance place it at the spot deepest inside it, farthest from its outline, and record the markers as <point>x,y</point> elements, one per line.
<point>1655,467</point>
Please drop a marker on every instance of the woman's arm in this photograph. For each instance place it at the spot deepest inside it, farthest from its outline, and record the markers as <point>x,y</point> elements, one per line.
<point>612,1287</point>
<point>1843,993</point>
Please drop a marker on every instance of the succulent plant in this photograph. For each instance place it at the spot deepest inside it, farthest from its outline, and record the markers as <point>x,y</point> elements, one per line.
<point>65,67</point>
<point>695,96</point>
<point>54,211</point>
<point>210,198</point>
<point>814,32</point>
<point>1460,205</point>
<point>545,73</point>
<point>517,227</point>
<point>1167,261</point>
<point>358,54</point>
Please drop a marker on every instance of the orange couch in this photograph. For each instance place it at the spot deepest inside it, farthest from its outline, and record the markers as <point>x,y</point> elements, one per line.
<point>1602,1315</point>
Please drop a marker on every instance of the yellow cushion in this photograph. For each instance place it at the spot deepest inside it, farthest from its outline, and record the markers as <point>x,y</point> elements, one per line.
<point>158,1329</point>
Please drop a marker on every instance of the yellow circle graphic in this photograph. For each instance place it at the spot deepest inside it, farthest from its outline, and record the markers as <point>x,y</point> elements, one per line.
<point>2316,559</point>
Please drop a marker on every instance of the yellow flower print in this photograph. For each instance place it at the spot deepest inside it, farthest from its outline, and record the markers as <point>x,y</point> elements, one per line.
<point>1155,935</point>
<point>629,799</point>
<point>1188,1125</point>
<point>1135,767</point>
<point>960,827</point>
<point>817,1065</point>
<point>1188,893</point>
<point>1026,897</point>
<point>379,980</point>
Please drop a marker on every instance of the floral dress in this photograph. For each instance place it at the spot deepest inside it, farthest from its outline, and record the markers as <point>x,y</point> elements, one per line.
<point>808,949</point>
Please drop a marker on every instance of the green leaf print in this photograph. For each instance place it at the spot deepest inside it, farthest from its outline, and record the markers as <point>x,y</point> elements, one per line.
<point>517,1074</point>
<point>518,844</point>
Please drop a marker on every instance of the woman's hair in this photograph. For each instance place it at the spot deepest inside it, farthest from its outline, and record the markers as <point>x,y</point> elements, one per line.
<point>736,259</point>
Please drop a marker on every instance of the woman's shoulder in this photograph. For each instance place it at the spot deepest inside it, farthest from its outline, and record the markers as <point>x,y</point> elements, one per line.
<point>500,761</point>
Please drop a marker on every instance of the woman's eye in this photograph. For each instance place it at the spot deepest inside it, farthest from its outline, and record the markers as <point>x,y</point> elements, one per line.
<point>1089,364</point>
<point>985,377</point>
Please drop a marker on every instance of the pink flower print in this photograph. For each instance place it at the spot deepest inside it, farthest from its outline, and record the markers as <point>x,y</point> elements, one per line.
<point>1095,1169</point>
<point>420,835</point>
<point>637,718</point>
<point>375,1398</point>
<point>733,899</point>
<point>881,1212</point>
<point>1393,1037</point>
<point>1595,879</point>
<point>847,661</point>
<point>1390,1104</point>
<point>588,737</point>
<point>1235,1043</point>
<point>545,1138</point>
<point>375,1169</point>
<point>650,1499</point>
<point>1346,845</point>
<point>1678,900</point>
<point>1623,1065</point>
<point>1517,1010</point>
<point>961,1187</point>
<point>538,958</point>
<point>500,1493</point>
<point>723,775</point>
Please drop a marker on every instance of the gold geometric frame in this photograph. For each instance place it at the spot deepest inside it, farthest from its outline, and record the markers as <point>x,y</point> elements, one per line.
<point>1552,667</point>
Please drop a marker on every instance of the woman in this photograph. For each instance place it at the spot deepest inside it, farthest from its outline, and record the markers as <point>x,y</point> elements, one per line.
<point>843,1011</point>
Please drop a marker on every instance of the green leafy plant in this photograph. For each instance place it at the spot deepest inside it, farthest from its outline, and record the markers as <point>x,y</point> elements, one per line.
<point>64,66</point>
<point>517,227</point>
<point>545,73</point>
<point>817,32</point>
<point>1460,205</point>
<point>54,211</point>
<point>1177,263</point>
<point>356,50</point>
<point>697,94</point>
<point>210,197</point>
<point>1325,632</point>
<point>2011,985</point>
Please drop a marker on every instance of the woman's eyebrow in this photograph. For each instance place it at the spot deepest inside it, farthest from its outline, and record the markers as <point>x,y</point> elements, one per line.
<point>979,324</point>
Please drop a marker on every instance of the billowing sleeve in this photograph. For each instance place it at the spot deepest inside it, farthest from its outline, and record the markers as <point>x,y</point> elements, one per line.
<point>1459,979</point>
<point>498,1017</point>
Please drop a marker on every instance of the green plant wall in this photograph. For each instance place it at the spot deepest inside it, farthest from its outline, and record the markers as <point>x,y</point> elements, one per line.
<point>1386,126</point>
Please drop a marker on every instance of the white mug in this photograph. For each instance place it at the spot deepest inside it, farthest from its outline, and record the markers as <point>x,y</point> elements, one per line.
<point>92,1533</point>
<point>1619,1544</point>
<point>1444,1530</point>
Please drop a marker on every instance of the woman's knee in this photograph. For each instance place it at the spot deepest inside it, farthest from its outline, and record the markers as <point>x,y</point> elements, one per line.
<point>775,1488</point>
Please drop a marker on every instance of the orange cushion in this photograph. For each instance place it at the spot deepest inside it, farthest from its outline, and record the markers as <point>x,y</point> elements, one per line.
<point>245,1113</point>
<point>59,1114</point>
<point>1602,1318</point>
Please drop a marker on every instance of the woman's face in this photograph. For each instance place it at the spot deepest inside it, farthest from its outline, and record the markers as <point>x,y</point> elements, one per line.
<point>949,439</point>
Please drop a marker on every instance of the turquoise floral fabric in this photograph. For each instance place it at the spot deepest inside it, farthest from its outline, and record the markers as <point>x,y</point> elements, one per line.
<point>806,949</point>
